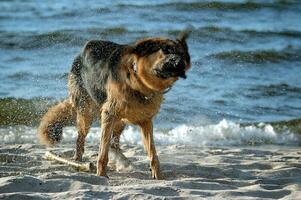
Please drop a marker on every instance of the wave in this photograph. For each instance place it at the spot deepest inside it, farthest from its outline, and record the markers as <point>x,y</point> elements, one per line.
<point>274,90</point>
<point>223,133</point>
<point>220,34</point>
<point>21,116</point>
<point>249,32</point>
<point>15,111</point>
<point>22,75</point>
<point>76,13</point>
<point>33,40</point>
<point>216,5</point>
<point>259,56</point>
<point>19,111</point>
<point>286,33</point>
<point>291,125</point>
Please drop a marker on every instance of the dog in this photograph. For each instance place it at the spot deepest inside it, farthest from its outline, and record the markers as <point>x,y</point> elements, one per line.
<point>118,84</point>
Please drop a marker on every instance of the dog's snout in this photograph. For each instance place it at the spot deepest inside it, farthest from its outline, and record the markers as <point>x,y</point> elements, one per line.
<point>183,75</point>
<point>172,58</point>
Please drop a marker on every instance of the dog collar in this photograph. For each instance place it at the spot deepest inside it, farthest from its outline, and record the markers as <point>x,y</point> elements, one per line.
<point>149,97</point>
<point>167,90</point>
<point>135,67</point>
<point>164,92</point>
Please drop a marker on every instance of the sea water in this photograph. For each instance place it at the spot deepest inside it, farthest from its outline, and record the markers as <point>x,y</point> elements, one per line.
<point>244,79</point>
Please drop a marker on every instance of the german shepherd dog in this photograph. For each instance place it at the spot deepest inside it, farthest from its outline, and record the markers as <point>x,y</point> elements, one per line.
<point>118,84</point>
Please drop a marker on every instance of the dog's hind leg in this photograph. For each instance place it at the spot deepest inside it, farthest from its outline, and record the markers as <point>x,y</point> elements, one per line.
<point>148,141</point>
<point>83,121</point>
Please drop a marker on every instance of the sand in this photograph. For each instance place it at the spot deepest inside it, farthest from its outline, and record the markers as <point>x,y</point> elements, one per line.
<point>262,172</point>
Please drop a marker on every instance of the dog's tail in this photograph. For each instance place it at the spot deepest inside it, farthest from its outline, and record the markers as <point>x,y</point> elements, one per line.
<point>50,130</point>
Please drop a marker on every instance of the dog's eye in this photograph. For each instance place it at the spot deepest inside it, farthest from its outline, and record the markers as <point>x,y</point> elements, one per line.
<point>169,49</point>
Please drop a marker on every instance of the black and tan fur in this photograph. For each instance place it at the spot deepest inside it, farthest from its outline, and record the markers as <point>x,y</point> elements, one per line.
<point>118,84</point>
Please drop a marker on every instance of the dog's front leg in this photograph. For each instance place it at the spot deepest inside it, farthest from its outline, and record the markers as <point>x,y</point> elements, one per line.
<point>148,140</point>
<point>107,123</point>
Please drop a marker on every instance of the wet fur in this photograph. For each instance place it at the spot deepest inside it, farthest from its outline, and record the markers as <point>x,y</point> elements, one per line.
<point>118,84</point>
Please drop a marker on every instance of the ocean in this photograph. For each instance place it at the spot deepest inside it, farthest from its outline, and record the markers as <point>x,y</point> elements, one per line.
<point>244,86</point>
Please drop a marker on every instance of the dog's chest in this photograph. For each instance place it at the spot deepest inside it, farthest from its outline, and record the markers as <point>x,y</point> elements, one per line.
<point>136,111</point>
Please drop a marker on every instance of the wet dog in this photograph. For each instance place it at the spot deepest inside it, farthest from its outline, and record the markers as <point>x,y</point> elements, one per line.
<point>118,84</point>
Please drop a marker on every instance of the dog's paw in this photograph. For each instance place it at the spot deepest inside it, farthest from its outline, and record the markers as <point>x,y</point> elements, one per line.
<point>77,158</point>
<point>156,174</point>
<point>104,174</point>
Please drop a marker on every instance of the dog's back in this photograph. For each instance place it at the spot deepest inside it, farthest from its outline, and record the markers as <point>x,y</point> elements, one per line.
<point>90,70</point>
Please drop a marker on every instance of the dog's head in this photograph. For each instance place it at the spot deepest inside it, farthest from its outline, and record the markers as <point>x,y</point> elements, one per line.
<point>160,61</point>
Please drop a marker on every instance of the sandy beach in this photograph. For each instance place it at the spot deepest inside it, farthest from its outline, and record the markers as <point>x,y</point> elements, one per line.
<point>263,172</point>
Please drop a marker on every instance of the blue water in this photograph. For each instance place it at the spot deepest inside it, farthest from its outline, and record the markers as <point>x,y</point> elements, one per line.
<point>246,55</point>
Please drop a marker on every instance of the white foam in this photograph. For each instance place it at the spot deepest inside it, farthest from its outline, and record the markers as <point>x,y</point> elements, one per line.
<point>223,133</point>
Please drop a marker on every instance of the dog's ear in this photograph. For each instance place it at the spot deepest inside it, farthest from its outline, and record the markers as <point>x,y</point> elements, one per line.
<point>182,41</point>
<point>184,35</point>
